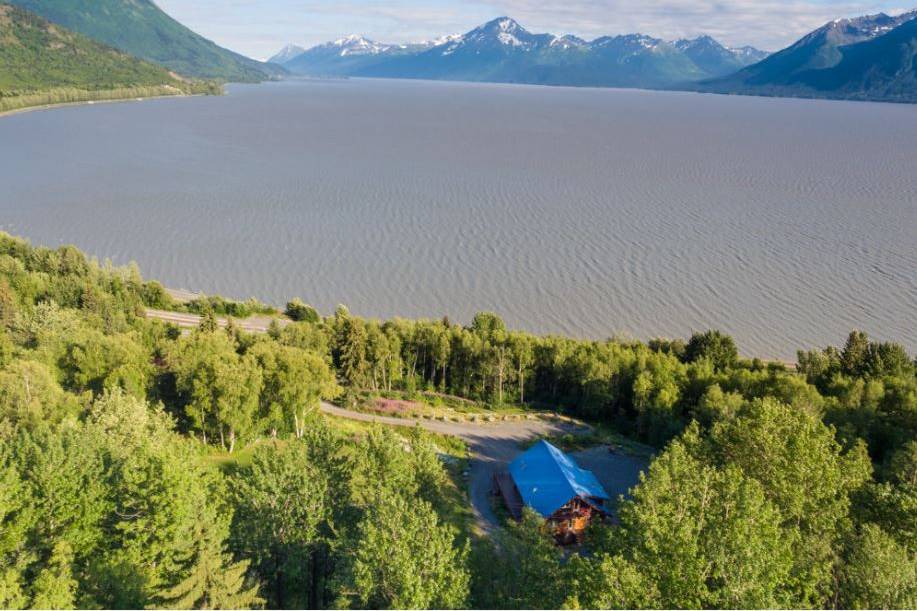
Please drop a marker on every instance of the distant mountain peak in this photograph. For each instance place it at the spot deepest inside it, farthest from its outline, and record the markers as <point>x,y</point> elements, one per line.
<point>633,42</point>
<point>442,40</point>
<point>503,30</point>
<point>568,41</point>
<point>503,24</point>
<point>287,53</point>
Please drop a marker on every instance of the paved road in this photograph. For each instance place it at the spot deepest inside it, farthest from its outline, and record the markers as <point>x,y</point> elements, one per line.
<point>491,446</point>
<point>255,324</point>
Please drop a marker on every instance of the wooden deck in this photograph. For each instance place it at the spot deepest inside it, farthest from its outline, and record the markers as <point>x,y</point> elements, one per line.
<point>505,487</point>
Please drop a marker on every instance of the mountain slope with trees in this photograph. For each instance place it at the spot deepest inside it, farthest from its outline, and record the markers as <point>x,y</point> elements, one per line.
<point>140,28</point>
<point>42,63</point>
<point>867,58</point>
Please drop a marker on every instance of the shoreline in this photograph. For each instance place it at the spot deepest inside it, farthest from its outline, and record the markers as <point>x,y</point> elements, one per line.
<point>124,100</point>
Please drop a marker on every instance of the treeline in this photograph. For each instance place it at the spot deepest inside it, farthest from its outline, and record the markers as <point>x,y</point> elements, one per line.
<point>774,488</point>
<point>12,101</point>
<point>867,390</point>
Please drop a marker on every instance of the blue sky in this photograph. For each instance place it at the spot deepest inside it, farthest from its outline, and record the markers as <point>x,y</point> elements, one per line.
<point>258,28</point>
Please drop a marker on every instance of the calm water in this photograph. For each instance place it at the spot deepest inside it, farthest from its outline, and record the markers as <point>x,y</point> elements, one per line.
<point>588,212</point>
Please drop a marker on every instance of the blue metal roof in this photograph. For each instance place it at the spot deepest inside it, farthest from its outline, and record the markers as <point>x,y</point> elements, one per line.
<point>548,479</point>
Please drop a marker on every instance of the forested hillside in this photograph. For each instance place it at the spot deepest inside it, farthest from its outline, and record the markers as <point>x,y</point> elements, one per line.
<point>142,466</point>
<point>44,63</point>
<point>140,28</point>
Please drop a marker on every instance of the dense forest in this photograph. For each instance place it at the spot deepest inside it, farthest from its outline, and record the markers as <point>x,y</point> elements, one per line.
<point>144,466</point>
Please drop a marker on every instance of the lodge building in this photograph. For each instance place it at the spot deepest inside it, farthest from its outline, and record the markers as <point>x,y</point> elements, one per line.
<point>554,486</point>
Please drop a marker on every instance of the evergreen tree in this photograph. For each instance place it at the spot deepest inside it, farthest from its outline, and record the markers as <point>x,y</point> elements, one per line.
<point>212,580</point>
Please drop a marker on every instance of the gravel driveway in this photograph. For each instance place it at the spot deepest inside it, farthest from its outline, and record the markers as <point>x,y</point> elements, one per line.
<point>493,445</point>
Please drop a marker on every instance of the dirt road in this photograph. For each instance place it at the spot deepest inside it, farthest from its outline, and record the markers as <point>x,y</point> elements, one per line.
<point>255,324</point>
<point>492,445</point>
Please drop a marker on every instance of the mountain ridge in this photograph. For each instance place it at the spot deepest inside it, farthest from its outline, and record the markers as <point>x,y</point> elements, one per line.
<point>827,61</point>
<point>501,50</point>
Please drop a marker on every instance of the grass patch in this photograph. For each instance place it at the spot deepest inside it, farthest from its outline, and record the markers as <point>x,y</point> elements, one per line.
<point>237,460</point>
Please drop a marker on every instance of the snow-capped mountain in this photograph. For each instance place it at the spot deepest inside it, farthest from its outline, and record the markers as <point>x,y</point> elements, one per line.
<point>843,58</point>
<point>355,45</point>
<point>289,52</point>
<point>344,56</point>
<point>502,50</point>
<point>503,33</point>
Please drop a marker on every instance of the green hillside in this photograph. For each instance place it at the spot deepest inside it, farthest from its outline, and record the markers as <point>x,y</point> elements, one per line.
<point>884,68</point>
<point>43,63</point>
<point>140,28</point>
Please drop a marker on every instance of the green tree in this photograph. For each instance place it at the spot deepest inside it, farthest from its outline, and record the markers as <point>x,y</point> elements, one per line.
<point>607,582</point>
<point>95,361</point>
<point>351,346</point>
<point>213,580</point>
<point>283,510</point>
<point>403,558</point>
<point>853,357</point>
<point>782,448</point>
<point>522,569</point>
<point>878,573</point>
<point>705,537</point>
<point>54,586</point>
<point>300,312</point>
<point>717,347</point>
<point>294,383</point>
<point>9,305</point>
<point>163,495</point>
<point>902,467</point>
<point>522,348</point>
<point>29,395</point>
<point>220,388</point>
<point>17,515</point>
